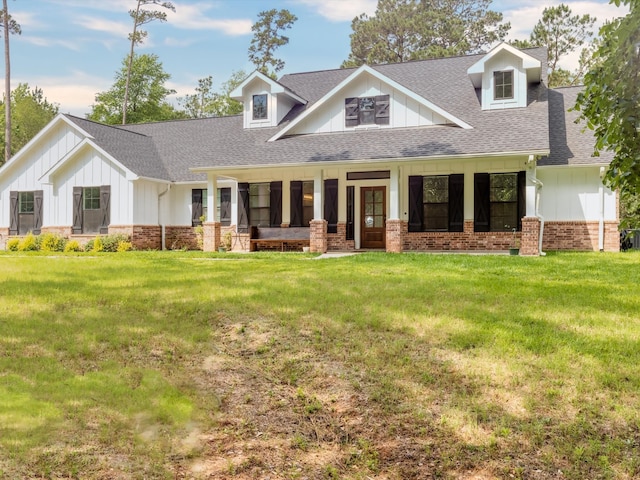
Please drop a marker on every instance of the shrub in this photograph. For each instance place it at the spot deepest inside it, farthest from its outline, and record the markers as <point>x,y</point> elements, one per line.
<point>124,246</point>
<point>111,242</point>
<point>73,246</point>
<point>88,247</point>
<point>28,243</point>
<point>51,242</point>
<point>98,246</point>
<point>13,244</point>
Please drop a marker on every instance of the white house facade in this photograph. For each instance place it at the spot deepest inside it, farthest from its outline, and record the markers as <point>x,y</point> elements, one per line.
<point>445,154</point>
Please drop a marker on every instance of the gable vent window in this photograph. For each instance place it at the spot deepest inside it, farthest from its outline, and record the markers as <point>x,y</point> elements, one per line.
<point>367,111</point>
<point>260,107</point>
<point>503,85</point>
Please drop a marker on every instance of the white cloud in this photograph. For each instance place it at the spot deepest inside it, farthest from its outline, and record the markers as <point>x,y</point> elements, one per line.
<point>73,93</point>
<point>117,29</point>
<point>48,42</point>
<point>192,17</point>
<point>341,10</point>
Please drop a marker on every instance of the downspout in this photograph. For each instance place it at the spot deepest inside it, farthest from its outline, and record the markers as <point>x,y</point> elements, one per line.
<point>160,217</point>
<point>539,186</point>
<point>601,215</point>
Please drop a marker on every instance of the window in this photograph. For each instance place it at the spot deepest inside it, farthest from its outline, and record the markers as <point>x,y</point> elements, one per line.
<point>436,203</point>
<point>367,111</point>
<point>260,107</point>
<point>259,204</point>
<point>91,209</point>
<point>301,195</point>
<point>25,202</point>
<point>503,198</point>
<point>499,201</point>
<point>25,212</point>
<point>200,206</point>
<point>91,198</point>
<point>503,85</point>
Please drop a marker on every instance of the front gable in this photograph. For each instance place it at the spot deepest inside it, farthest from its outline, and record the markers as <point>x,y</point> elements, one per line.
<point>368,100</point>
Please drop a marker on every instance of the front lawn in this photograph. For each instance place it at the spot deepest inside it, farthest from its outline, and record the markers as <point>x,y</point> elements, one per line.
<point>163,365</point>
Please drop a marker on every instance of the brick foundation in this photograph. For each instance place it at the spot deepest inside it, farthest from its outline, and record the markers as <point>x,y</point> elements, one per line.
<point>466,240</point>
<point>580,236</point>
<point>178,238</point>
<point>62,231</point>
<point>338,242</point>
<point>395,235</point>
<point>143,237</point>
<point>318,241</point>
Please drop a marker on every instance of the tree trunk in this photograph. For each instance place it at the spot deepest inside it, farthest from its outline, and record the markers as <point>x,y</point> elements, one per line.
<point>7,84</point>
<point>126,86</point>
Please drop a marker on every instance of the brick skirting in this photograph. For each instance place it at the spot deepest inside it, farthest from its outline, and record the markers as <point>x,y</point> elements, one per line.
<point>580,236</point>
<point>466,240</point>
<point>318,236</point>
<point>178,238</point>
<point>143,237</point>
<point>337,242</point>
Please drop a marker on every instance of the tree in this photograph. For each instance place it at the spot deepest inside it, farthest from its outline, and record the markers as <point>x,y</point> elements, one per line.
<point>267,39</point>
<point>610,100</point>
<point>9,26</point>
<point>147,96</point>
<point>207,103</point>
<point>404,30</point>
<point>141,17</point>
<point>562,33</point>
<point>30,112</point>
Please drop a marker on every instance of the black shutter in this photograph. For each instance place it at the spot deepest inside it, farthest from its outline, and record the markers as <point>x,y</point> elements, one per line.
<point>37,211</point>
<point>331,204</point>
<point>416,209</point>
<point>456,202</point>
<point>13,213</point>
<point>275,204</point>
<point>351,212</point>
<point>296,204</point>
<point>196,206</point>
<point>76,228</point>
<point>351,112</point>
<point>382,110</point>
<point>522,197</point>
<point>243,208</point>
<point>481,202</point>
<point>225,206</point>
<point>105,208</point>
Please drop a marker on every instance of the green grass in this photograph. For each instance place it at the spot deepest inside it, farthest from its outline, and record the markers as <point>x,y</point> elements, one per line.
<point>192,365</point>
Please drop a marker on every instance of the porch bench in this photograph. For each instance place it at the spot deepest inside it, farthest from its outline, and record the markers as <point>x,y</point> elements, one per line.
<point>291,239</point>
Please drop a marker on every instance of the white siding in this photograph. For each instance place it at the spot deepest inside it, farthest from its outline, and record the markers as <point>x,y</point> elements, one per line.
<point>88,169</point>
<point>574,194</point>
<point>404,111</point>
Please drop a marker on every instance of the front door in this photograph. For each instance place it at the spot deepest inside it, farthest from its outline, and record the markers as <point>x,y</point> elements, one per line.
<point>372,217</point>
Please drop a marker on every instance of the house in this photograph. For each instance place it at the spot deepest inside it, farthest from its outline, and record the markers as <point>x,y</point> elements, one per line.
<point>443,154</point>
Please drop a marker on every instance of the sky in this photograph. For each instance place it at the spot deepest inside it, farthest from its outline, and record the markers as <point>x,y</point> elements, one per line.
<point>71,49</point>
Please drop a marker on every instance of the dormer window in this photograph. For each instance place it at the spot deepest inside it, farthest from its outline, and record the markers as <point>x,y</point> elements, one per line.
<point>260,107</point>
<point>503,85</point>
<point>366,111</point>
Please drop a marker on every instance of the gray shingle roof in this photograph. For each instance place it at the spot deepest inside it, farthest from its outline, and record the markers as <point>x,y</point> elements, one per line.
<point>167,150</point>
<point>571,143</point>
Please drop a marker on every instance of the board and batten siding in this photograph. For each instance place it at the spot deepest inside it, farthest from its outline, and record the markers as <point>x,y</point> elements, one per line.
<point>404,111</point>
<point>504,61</point>
<point>37,161</point>
<point>89,169</point>
<point>573,194</point>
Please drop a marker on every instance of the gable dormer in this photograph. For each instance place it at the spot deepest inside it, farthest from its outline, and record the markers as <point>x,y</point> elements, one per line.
<point>266,102</point>
<point>503,75</point>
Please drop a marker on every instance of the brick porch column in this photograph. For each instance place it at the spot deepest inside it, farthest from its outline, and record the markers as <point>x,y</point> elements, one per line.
<point>395,239</point>
<point>318,236</point>
<point>530,236</point>
<point>211,236</point>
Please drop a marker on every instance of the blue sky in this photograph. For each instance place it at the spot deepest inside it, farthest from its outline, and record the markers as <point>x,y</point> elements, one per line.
<point>72,48</point>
